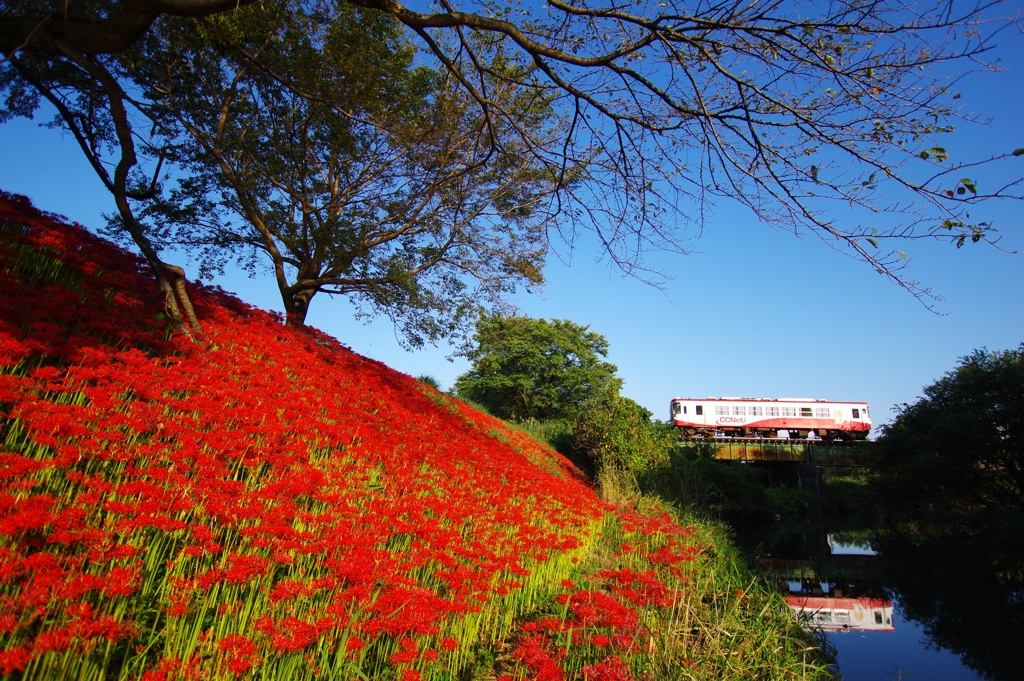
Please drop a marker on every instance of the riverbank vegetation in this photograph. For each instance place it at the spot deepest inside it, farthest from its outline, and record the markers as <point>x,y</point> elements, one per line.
<point>948,473</point>
<point>267,504</point>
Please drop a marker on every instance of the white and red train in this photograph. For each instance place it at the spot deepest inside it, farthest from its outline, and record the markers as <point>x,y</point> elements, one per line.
<point>770,418</point>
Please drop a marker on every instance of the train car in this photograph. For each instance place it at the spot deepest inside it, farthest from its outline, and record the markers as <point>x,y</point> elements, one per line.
<point>787,418</point>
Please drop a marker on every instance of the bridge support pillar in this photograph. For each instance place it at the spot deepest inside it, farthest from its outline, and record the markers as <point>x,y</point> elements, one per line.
<point>807,477</point>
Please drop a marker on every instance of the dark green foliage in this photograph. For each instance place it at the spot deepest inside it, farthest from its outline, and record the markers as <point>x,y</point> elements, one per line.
<point>616,431</point>
<point>958,452</point>
<point>308,139</point>
<point>550,378</point>
<point>535,369</point>
<point>949,474</point>
<point>964,590</point>
<point>690,477</point>
<point>848,490</point>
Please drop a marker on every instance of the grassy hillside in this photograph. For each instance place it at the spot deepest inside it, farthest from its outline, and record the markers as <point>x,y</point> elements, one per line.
<point>270,505</point>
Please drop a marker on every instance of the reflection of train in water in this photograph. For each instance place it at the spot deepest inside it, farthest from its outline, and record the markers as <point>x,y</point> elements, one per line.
<point>778,418</point>
<point>844,614</point>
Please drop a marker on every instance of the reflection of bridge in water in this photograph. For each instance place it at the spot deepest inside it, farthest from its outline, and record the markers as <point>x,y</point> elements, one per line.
<point>815,452</point>
<point>840,568</point>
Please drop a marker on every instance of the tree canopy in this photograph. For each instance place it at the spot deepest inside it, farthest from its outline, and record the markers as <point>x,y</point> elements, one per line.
<point>801,111</point>
<point>304,133</point>
<point>962,444</point>
<point>949,474</point>
<point>525,368</point>
<point>353,172</point>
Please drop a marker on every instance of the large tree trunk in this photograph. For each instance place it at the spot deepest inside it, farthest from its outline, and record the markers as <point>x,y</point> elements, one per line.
<point>170,278</point>
<point>296,305</point>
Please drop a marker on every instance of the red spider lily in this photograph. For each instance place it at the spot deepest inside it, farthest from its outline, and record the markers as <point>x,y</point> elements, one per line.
<point>242,653</point>
<point>610,669</point>
<point>533,653</point>
<point>598,609</point>
<point>407,610</point>
<point>149,484</point>
<point>13,659</point>
<point>641,588</point>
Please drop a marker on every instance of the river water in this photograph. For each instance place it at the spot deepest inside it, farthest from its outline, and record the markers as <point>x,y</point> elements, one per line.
<point>894,608</point>
<point>864,655</point>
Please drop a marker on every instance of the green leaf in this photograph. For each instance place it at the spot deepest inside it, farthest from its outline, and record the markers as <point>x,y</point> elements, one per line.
<point>969,185</point>
<point>1018,152</point>
<point>814,173</point>
<point>872,242</point>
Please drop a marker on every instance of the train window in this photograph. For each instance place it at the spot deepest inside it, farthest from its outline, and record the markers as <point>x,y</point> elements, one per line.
<point>789,411</point>
<point>721,410</point>
<point>755,410</point>
<point>678,408</point>
<point>821,412</point>
<point>806,411</point>
<point>856,413</point>
<point>771,411</point>
<point>699,410</point>
<point>739,410</point>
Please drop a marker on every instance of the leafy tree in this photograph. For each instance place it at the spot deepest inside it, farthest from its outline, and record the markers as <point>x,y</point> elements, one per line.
<point>949,473</point>
<point>525,368</point>
<point>89,94</point>
<point>797,110</point>
<point>427,379</point>
<point>352,170</point>
<point>957,454</point>
<point>307,136</point>
<point>612,430</point>
<point>793,109</point>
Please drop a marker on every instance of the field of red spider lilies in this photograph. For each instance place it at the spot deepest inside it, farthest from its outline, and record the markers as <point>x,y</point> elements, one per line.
<point>268,504</point>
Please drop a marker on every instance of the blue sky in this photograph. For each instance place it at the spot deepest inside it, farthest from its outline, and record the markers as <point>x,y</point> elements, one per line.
<point>755,312</point>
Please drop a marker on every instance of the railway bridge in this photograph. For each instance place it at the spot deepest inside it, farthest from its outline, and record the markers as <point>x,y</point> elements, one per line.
<point>814,452</point>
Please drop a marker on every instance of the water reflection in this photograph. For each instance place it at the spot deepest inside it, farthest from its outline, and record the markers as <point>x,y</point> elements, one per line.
<point>967,592</point>
<point>965,595</point>
<point>832,585</point>
<point>834,592</point>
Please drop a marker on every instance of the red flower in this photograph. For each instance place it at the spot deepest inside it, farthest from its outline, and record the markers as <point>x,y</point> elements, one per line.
<point>13,659</point>
<point>242,653</point>
<point>610,669</point>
